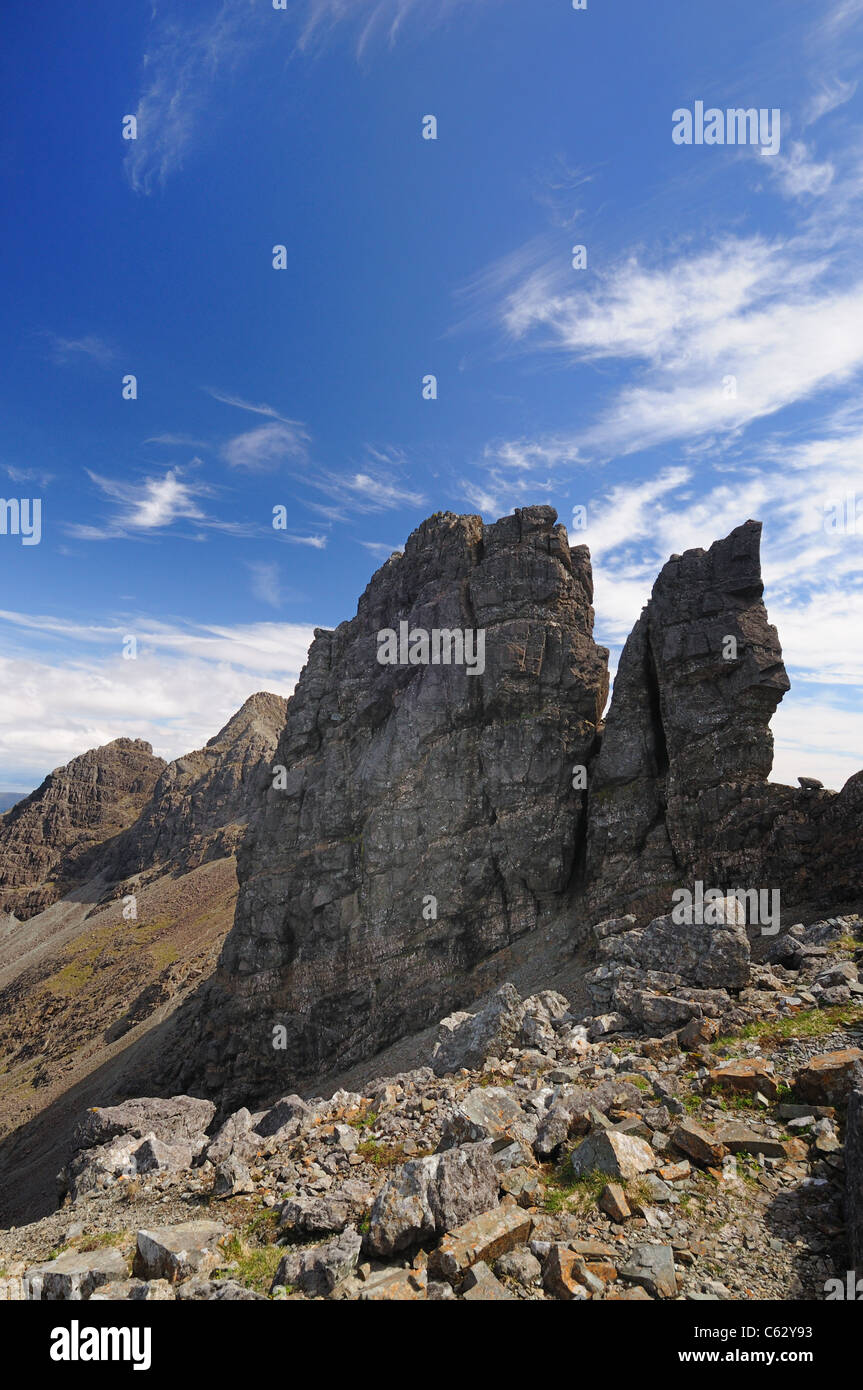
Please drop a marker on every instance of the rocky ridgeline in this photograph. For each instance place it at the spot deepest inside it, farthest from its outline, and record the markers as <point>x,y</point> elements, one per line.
<point>626,1154</point>
<point>201,803</point>
<point>118,811</point>
<point>47,840</point>
<point>502,798</point>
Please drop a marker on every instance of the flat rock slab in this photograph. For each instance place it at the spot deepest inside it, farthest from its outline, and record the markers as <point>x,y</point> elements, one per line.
<point>608,1151</point>
<point>740,1139</point>
<point>613,1202</point>
<point>178,1252</point>
<point>652,1267</point>
<point>75,1276</point>
<point>394,1286</point>
<point>221,1290</point>
<point>484,1238</point>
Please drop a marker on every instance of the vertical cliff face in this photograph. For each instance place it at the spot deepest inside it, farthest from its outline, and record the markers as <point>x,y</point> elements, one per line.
<point>419,818</point>
<point>48,839</point>
<point>427,813</point>
<point>687,747</point>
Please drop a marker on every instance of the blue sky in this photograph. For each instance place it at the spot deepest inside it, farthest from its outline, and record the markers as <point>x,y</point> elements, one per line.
<point>607,387</point>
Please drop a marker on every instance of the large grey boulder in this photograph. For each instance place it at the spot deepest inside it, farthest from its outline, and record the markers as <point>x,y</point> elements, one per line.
<point>429,1196</point>
<point>75,1276</point>
<point>705,954</point>
<point>318,1270</point>
<point>468,1040</point>
<point>609,1151</point>
<point>179,1119</point>
<point>176,1253</point>
<point>307,1215</point>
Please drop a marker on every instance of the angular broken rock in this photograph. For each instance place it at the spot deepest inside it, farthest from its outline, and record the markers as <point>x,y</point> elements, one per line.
<point>519,1265</point>
<point>480,1285</point>
<point>210,1290</point>
<point>612,1201</point>
<point>430,1195</point>
<point>96,1167</point>
<point>696,1032</point>
<point>608,1151</point>
<point>564,1118</point>
<point>484,1238</point>
<point>745,1076</point>
<point>153,1156</point>
<point>182,1118</point>
<point>522,1184</point>
<point>468,1040</point>
<point>320,1269</point>
<point>828,1079</point>
<point>285,1119</point>
<point>652,1267</point>
<point>713,957</point>
<point>232,1178</point>
<point>310,1216</point>
<point>565,1275</point>
<point>490,1112</point>
<point>176,1253</point>
<point>235,1138</point>
<point>693,1140</point>
<point>75,1276</point>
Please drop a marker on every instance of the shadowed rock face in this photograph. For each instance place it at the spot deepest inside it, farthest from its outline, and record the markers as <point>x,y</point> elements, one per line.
<point>410,782</point>
<point>411,828</point>
<point>47,840</point>
<point>428,818</point>
<point>680,781</point>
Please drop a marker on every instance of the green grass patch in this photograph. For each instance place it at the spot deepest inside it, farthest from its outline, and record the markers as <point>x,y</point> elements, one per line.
<point>564,1192</point>
<point>813,1023</point>
<point>252,1266</point>
<point>387,1155</point>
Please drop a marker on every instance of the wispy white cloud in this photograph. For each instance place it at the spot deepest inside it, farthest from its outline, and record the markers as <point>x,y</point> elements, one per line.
<point>262,409</point>
<point>380,549</point>
<point>266,583</point>
<point>832,94</point>
<point>90,347</point>
<point>187,64</point>
<point>181,68</point>
<point>65,687</point>
<point>719,338</point>
<point>315,542</point>
<point>374,488</point>
<point>29,475</point>
<point>800,174</point>
<point>373,19</point>
<point>153,504</point>
<point>178,441</point>
<point>267,446</point>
